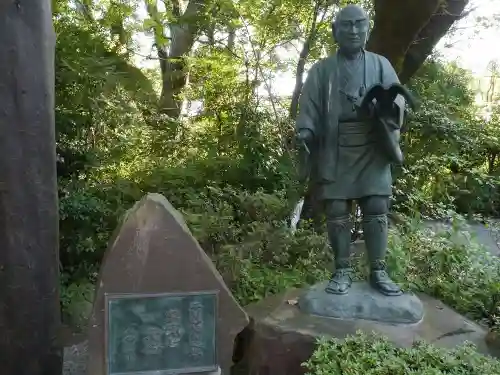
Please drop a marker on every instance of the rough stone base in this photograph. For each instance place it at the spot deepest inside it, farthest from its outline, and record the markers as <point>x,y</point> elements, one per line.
<point>493,342</point>
<point>75,361</point>
<point>281,337</point>
<point>362,302</point>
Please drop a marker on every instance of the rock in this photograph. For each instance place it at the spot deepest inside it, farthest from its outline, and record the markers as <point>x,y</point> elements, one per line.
<point>281,336</point>
<point>154,252</point>
<point>75,359</point>
<point>362,302</point>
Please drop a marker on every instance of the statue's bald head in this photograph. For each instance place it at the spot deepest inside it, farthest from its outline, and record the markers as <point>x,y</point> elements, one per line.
<point>350,28</point>
<point>351,12</point>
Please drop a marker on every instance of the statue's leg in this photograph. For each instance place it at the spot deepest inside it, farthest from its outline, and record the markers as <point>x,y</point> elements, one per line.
<point>375,210</point>
<point>339,234</point>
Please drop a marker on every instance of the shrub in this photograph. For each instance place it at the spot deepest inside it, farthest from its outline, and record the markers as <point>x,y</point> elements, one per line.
<point>76,302</point>
<point>246,235</point>
<point>270,259</point>
<point>362,354</point>
<point>448,265</point>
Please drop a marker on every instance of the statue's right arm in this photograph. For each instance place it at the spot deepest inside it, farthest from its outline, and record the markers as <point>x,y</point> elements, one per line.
<point>309,106</point>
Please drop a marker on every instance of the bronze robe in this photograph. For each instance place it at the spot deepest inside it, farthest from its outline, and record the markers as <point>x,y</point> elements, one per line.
<point>346,159</point>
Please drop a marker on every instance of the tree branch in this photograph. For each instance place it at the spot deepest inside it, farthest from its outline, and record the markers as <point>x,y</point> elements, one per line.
<point>397,25</point>
<point>429,36</point>
<point>299,73</point>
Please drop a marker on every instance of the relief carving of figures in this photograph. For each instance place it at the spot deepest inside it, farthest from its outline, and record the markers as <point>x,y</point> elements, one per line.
<point>152,340</point>
<point>173,328</point>
<point>128,343</point>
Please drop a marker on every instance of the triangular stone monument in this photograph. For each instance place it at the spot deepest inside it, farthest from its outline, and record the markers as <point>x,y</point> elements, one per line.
<point>154,252</point>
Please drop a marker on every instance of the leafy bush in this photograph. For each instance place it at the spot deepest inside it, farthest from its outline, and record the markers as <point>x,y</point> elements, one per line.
<point>271,259</point>
<point>76,302</point>
<point>375,355</point>
<point>246,235</point>
<point>448,265</point>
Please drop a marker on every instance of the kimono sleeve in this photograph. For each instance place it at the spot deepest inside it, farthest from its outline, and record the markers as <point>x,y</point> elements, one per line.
<point>310,102</point>
<point>389,76</point>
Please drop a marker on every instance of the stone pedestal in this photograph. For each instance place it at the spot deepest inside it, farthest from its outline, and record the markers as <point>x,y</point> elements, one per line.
<point>281,336</point>
<point>362,302</point>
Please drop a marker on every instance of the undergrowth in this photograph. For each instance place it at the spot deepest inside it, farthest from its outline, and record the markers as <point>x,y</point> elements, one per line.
<point>362,354</point>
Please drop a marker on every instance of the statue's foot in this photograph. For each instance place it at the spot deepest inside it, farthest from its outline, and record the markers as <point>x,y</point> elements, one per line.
<point>380,280</point>
<point>340,282</point>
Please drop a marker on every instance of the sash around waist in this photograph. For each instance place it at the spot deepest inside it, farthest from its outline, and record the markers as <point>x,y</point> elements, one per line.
<point>355,134</point>
<point>355,127</point>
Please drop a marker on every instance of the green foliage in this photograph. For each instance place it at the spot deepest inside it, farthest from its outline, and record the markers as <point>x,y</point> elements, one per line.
<point>76,302</point>
<point>98,96</point>
<point>449,265</point>
<point>374,355</point>
<point>446,149</point>
<point>270,260</point>
<point>227,164</point>
<point>88,216</point>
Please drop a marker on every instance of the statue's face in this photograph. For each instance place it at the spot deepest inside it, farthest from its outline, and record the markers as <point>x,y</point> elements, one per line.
<point>351,29</point>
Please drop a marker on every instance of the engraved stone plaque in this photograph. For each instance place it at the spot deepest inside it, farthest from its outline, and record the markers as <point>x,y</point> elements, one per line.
<point>161,334</point>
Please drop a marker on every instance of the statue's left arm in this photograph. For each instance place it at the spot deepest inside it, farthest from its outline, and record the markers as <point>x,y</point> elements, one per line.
<point>389,77</point>
<point>393,121</point>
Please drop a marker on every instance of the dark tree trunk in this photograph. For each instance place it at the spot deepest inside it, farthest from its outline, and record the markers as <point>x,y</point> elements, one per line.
<point>396,26</point>
<point>29,300</point>
<point>429,36</point>
<point>406,32</point>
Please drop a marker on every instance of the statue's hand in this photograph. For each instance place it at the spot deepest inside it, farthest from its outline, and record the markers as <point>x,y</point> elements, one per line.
<point>305,135</point>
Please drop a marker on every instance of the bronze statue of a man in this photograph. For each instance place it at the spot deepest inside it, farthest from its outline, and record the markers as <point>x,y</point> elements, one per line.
<point>348,161</point>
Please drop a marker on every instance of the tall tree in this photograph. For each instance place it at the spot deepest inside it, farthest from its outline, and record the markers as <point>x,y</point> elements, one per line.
<point>29,302</point>
<point>181,29</point>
